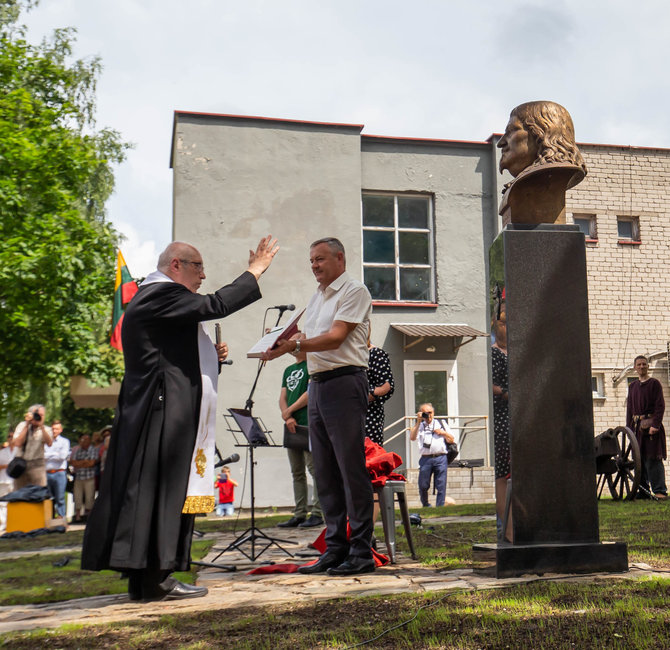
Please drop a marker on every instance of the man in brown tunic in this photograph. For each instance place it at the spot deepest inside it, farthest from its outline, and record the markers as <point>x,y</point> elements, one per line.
<point>644,414</point>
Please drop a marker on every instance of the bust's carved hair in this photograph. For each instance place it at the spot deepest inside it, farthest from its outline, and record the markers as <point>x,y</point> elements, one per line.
<point>551,126</point>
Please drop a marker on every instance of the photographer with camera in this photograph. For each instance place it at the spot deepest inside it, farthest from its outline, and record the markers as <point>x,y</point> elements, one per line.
<point>29,439</point>
<point>433,436</point>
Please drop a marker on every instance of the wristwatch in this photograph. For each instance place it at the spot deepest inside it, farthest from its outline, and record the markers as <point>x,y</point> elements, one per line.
<point>297,347</point>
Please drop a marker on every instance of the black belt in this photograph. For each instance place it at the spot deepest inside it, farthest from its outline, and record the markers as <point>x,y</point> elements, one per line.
<point>336,372</point>
<point>431,455</point>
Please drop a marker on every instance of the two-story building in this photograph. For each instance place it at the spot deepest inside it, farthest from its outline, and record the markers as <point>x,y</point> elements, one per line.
<point>417,217</point>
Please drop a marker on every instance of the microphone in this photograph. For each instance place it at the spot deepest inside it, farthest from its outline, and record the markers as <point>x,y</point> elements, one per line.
<point>284,307</point>
<point>227,362</point>
<point>233,458</point>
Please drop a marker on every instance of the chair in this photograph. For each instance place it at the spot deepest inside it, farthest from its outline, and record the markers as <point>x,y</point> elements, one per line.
<point>386,496</point>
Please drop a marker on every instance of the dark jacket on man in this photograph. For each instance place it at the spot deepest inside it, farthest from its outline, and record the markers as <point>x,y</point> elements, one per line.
<point>137,520</point>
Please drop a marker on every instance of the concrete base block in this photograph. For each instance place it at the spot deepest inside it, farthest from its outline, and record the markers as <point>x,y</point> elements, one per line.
<point>509,560</point>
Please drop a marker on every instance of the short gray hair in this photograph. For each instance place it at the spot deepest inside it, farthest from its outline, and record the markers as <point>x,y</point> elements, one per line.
<point>334,244</point>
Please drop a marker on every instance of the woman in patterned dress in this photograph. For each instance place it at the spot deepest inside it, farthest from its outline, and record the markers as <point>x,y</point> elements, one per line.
<point>380,379</point>
<point>501,419</point>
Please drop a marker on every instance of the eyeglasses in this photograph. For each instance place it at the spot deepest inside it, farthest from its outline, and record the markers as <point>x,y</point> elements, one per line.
<point>198,265</point>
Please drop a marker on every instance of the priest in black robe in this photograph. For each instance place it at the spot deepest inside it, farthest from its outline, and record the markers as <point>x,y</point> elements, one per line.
<point>137,525</point>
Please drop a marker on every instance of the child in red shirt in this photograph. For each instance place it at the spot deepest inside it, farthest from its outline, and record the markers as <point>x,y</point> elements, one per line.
<point>226,486</point>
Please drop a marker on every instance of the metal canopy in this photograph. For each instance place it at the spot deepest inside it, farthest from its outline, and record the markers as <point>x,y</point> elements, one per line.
<point>423,330</point>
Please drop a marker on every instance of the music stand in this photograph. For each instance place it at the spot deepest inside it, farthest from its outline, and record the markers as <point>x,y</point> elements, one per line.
<point>240,421</point>
<point>256,435</point>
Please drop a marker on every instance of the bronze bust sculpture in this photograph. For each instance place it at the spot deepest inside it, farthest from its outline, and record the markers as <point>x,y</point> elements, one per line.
<point>539,150</point>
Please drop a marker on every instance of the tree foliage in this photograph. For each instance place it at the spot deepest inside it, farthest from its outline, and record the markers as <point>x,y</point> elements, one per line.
<point>57,251</point>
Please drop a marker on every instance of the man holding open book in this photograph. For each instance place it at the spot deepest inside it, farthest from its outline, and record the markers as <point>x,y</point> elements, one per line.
<point>337,321</point>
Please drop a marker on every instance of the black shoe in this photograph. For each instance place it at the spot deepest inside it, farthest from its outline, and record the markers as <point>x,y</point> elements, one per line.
<point>312,520</point>
<point>181,590</point>
<point>326,561</point>
<point>353,565</point>
<point>291,523</point>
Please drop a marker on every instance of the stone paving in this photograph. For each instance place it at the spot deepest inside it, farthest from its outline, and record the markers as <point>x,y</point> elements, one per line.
<point>237,589</point>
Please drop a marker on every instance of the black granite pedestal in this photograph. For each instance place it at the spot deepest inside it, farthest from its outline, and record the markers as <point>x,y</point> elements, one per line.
<point>554,506</point>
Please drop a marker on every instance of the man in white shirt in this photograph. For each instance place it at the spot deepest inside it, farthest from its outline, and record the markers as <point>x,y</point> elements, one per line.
<point>55,458</point>
<point>433,436</point>
<point>337,321</point>
<point>6,482</point>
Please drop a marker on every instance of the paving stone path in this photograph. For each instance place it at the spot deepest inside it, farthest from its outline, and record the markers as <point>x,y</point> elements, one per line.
<point>237,589</point>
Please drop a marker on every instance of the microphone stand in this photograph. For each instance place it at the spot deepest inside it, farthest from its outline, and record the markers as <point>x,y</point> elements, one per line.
<point>249,404</point>
<point>252,533</point>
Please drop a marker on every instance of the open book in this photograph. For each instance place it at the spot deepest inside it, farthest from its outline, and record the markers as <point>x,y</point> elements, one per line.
<point>275,335</point>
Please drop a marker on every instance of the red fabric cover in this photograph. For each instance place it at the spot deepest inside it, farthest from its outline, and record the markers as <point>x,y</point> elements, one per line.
<point>381,463</point>
<point>274,568</point>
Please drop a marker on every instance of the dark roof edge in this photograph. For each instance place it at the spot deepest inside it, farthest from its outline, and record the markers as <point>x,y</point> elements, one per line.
<point>261,118</point>
<point>393,138</point>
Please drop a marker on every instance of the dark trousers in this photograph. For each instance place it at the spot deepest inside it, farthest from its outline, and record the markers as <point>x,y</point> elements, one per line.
<point>653,476</point>
<point>337,410</point>
<point>148,583</point>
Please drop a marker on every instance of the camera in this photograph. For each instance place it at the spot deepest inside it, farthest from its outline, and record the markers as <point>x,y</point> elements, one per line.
<point>36,415</point>
<point>425,416</point>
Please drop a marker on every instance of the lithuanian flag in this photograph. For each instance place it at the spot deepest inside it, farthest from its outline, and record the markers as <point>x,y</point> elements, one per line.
<point>124,289</point>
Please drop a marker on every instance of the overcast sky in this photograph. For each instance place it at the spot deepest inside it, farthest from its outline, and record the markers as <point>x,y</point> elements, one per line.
<point>427,68</point>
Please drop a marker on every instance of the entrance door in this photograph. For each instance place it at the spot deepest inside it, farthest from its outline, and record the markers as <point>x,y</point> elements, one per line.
<point>434,382</point>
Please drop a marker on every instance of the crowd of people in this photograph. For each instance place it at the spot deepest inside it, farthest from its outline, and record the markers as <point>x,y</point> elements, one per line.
<point>51,461</point>
<point>156,471</point>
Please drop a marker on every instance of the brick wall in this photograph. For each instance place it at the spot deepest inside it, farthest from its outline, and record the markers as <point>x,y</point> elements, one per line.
<point>629,284</point>
<point>458,486</point>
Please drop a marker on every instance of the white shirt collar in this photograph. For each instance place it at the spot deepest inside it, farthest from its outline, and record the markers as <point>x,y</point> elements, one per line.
<point>337,283</point>
<point>156,276</point>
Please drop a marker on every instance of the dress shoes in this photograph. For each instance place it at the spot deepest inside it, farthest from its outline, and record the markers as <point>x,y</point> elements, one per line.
<point>352,566</point>
<point>181,590</point>
<point>293,522</point>
<point>325,562</point>
<point>311,521</point>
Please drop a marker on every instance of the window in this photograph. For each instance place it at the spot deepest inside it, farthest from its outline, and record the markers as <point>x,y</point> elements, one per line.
<point>398,247</point>
<point>587,224</point>
<point>598,385</point>
<point>628,229</point>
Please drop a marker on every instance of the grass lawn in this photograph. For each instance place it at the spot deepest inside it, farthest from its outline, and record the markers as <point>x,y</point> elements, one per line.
<point>34,578</point>
<point>620,613</point>
<point>553,615</point>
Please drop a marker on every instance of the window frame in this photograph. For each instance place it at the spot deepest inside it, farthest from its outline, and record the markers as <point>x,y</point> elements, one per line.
<point>396,229</point>
<point>635,229</point>
<point>593,225</point>
<point>599,393</point>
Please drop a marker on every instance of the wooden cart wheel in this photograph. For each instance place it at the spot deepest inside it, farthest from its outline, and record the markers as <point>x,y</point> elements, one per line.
<point>623,483</point>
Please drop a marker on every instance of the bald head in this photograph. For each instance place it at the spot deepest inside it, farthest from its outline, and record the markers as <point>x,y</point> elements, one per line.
<point>175,250</point>
<point>182,263</point>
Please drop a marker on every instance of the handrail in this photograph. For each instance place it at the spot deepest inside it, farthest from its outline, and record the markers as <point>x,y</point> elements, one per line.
<point>466,428</point>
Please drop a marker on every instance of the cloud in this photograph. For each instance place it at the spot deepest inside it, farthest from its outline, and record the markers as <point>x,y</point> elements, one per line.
<point>140,255</point>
